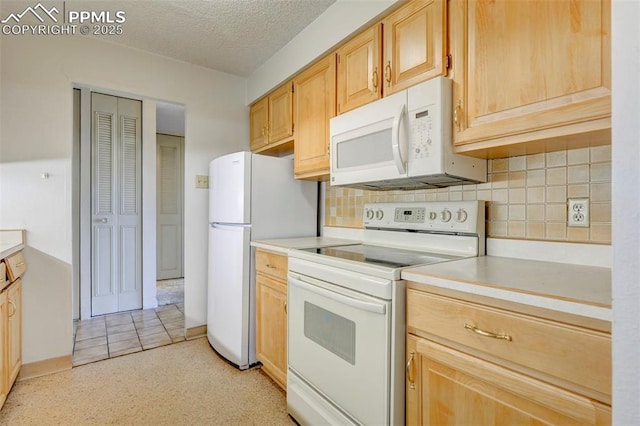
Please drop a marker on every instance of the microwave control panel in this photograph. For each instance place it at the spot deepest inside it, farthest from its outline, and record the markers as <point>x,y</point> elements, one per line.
<point>421,133</point>
<point>429,116</point>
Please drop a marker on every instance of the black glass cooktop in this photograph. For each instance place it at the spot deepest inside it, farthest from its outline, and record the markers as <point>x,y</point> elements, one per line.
<point>379,255</point>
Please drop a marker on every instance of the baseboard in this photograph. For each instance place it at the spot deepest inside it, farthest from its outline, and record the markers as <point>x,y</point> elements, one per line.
<point>47,366</point>
<point>196,332</point>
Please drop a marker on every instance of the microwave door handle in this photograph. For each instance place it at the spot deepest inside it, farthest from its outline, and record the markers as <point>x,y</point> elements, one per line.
<point>398,140</point>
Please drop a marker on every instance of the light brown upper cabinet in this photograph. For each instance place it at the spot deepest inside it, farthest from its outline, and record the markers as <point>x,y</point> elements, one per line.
<point>530,76</point>
<point>271,120</point>
<point>359,69</point>
<point>258,119</point>
<point>315,104</point>
<point>415,44</point>
<point>280,113</point>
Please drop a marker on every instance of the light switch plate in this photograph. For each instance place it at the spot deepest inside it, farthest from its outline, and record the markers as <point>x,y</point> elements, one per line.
<point>202,181</point>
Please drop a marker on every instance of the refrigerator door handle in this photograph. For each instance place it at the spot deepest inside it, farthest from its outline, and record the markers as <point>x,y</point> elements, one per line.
<point>237,226</point>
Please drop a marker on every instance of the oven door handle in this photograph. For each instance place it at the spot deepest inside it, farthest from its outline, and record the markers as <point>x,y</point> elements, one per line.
<point>346,300</point>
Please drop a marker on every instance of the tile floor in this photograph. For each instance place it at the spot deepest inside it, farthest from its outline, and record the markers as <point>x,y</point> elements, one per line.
<point>170,291</point>
<point>123,333</point>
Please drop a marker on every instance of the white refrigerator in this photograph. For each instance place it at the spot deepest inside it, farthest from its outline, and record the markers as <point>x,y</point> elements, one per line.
<point>251,197</point>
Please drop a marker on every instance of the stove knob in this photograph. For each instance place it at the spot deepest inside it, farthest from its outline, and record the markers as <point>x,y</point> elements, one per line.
<point>369,214</point>
<point>379,214</point>
<point>445,215</point>
<point>461,215</point>
<point>433,215</point>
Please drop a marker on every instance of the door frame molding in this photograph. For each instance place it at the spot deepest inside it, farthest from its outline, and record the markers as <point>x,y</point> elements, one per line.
<point>85,203</point>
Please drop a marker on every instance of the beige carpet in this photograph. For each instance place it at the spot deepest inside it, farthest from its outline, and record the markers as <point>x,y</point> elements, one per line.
<point>181,384</point>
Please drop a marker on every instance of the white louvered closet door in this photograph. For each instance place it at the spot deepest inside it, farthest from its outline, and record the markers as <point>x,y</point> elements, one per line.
<point>116,236</point>
<point>169,198</point>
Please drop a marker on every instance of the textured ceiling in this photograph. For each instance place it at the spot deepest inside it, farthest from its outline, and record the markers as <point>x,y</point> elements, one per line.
<point>234,36</point>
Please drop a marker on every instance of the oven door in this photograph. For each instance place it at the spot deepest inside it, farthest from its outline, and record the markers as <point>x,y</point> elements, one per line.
<point>339,343</point>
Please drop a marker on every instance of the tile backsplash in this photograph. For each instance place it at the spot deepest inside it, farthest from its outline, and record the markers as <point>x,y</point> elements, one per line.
<point>526,196</point>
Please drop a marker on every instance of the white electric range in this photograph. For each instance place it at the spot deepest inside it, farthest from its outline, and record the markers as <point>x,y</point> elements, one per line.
<point>346,321</point>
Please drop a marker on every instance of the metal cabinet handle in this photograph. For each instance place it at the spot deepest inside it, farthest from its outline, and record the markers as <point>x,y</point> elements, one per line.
<point>457,112</point>
<point>410,371</point>
<point>269,266</point>
<point>487,333</point>
<point>19,264</point>
<point>12,303</point>
<point>285,307</point>
<point>374,78</point>
<point>387,73</point>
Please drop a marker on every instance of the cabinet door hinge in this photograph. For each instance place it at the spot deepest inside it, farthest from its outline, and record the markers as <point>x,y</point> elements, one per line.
<point>448,62</point>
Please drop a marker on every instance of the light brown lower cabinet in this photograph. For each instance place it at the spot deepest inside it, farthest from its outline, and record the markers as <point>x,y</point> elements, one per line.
<point>13,332</point>
<point>4,387</point>
<point>11,325</point>
<point>449,387</point>
<point>452,383</point>
<point>271,315</point>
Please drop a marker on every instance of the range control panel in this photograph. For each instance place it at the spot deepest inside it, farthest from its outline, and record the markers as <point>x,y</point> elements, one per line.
<point>437,216</point>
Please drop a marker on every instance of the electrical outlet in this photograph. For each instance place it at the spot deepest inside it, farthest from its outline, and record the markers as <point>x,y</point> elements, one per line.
<point>202,181</point>
<point>578,212</point>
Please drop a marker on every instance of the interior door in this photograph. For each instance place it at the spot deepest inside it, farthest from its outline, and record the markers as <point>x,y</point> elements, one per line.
<point>169,207</point>
<point>116,249</point>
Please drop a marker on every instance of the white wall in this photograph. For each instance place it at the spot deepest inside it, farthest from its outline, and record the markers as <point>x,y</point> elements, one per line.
<point>339,21</point>
<point>170,119</point>
<point>37,76</point>
<point>626,212</point>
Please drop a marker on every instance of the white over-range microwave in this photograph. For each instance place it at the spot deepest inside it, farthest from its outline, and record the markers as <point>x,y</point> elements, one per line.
<point>402,141</point>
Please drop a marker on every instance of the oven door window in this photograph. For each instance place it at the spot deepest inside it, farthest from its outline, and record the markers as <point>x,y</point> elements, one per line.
<point>334,333</point>
<point>339,342</point>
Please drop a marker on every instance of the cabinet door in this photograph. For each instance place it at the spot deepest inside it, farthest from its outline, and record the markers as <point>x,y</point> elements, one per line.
<point>315,104</point>
<point>14,331</point>
<point>271,333</point>
<point>459,389</point>
<point>359,70</point>
<point>4,375</point>
<point>526,71</point>
<point>280,114</point>
<point>413,389</point>
<point>414,44</point>
<point>258,118</point>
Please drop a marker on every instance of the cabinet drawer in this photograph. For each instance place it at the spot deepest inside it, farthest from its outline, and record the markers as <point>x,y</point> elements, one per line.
<point>572,354</point>
<point>271,264</point>
<point>15,266</point>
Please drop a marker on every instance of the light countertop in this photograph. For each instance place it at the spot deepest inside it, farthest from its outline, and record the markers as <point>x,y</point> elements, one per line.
<point>11,241</point>
<point>566,288</point>
<point>283,245</point>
